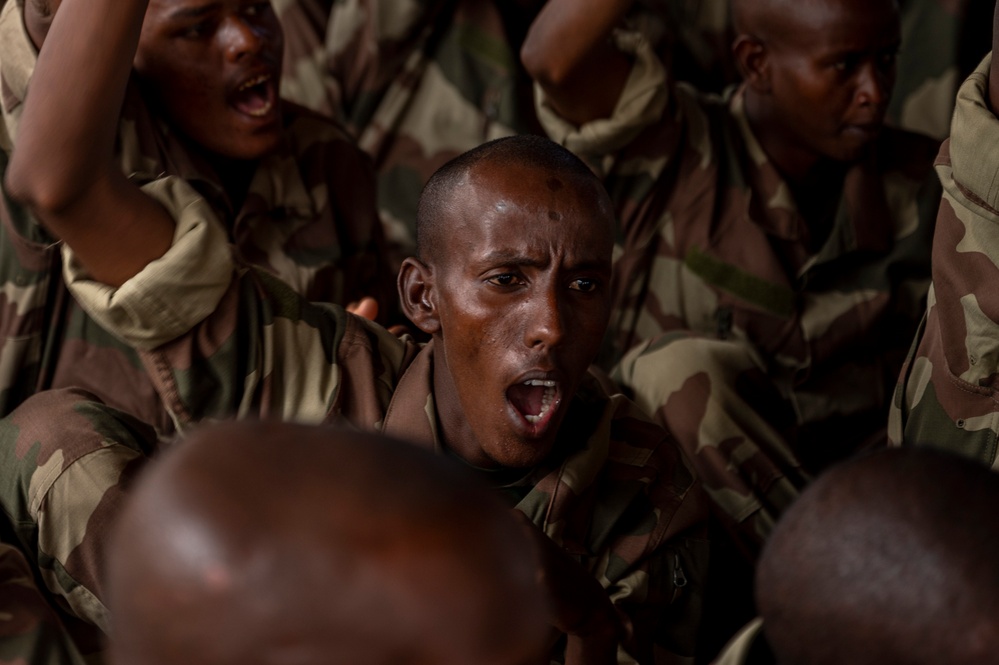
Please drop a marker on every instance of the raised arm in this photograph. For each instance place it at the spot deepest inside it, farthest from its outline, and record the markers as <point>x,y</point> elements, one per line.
<point>63,166</point>
<point>568,52</point>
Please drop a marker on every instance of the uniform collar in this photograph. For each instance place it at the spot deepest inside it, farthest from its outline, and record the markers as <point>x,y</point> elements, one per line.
<point>863,220</point>
<point>412,413</point>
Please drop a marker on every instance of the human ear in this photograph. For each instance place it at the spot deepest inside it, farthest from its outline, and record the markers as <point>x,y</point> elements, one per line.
<point>418,295</point>
<point>754,62</point>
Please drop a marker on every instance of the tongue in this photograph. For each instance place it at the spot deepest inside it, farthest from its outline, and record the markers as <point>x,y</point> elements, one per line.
<point>252,100</point>
<point>526,399</point>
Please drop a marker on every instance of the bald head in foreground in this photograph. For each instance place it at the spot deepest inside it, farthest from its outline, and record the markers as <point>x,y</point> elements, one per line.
<point>232,550</point>
<point>886,559</point>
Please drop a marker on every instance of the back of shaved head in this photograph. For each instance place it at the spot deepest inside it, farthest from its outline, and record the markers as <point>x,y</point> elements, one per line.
<point>278,543</point>
<point>526,153</point>
<point>773,20</point>
<point>886,559</point>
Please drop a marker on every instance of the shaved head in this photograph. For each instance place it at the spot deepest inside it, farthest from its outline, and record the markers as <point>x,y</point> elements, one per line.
<point>886,559</point>
<point>775,20</point>
<point>276,543</point>
<point>525,153</point>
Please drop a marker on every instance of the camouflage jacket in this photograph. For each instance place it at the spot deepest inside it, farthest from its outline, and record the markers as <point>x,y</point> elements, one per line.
<point>309,217</point>
<point>305,77</point>
<point>617,493</point>
<point>30,632</point>
<point>710,241</point>
<point>947,393</point>
<point>747,647</point>
<point>420,82</point>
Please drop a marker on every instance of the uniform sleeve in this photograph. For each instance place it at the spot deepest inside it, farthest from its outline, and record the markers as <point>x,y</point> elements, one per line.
<point>172,294</point>
<point>29,629</point>
<point>264,352</point>
<point>642,103</point>
<point>946,396</point>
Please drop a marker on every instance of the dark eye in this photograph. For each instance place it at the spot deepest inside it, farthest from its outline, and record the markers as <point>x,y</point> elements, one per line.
<point>583,284</point>
<point>198,30</point>
<point>505,279</point>
<point>846,64</point>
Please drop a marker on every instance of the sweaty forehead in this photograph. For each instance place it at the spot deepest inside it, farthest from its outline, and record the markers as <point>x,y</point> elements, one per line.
<point>529,200</point>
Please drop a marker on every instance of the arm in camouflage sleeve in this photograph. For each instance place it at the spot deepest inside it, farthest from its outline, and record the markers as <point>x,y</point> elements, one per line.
<point>265,352</point>
<point>568,52</point>
<point>64,167</point>
<point>946,394</point>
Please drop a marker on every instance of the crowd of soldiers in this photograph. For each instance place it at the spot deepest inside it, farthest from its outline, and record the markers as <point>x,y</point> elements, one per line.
<point>498,331</point>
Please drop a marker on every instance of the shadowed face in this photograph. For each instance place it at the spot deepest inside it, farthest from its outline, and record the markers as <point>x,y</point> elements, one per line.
<point>832,72</point>
<point>521,297</point>
<point>214,67</point>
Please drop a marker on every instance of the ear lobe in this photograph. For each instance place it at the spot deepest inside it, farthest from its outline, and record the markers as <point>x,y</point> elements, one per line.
<point>754,62</point>
<point>418,296</point>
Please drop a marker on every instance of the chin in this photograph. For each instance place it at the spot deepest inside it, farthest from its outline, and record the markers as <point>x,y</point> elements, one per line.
<point>522,454</point>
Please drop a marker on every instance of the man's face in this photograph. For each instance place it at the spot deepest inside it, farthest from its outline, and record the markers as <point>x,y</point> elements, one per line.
<point>214,67</point>
<point>833,74</point>
<point>522,300</point>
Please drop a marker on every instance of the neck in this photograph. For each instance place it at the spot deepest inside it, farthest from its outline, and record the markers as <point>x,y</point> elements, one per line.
<point>816,182</point>
<point>796,163</point>
<point>453,429</point>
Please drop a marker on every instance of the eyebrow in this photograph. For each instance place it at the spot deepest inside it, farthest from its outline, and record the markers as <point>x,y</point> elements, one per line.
<point>194,12</point>
<point>505,257</point>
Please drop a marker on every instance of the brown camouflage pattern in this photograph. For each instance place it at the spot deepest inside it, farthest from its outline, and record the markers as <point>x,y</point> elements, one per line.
<point>947,393</point>
<point>309,218</point>
<point>30,631</point>
<point>420,82</point>
<point>305,77</point>
<point>767,352</point>
<point>617,493</point>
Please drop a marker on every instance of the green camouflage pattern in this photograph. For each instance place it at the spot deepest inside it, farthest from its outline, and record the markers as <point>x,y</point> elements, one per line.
<point>617,494</point>
<point>30,631</point>
<point>766,358</point>
<point>309,217</point>
<point>693,36</point>
<point>420,82</point>
<point>947,393</point>
<point>305,77</point>
<point>928,65</point>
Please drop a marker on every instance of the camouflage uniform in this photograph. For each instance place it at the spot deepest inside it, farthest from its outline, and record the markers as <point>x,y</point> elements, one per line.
<point>308,217</point>
<point>748,647</point>
<point>929,65</point>
<point>617,493</point>
<point>30,633</point>
<point>766,358</point>
<point>305,78</point>
<point>420,82</point>
<point>946,394</point>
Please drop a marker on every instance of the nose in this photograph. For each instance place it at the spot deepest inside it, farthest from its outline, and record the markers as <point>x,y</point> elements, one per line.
<point>873,86</point>
<point>241,38</point>
<point>545,320</point>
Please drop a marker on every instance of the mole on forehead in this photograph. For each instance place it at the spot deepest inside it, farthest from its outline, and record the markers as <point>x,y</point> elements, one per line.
<point>554,184</point>
<point>554,216</point>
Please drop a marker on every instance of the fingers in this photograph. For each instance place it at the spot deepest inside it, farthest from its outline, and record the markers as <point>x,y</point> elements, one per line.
<point>366,307</point>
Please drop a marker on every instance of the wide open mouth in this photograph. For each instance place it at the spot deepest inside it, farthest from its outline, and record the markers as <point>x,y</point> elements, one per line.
<point>256,96</point>
<point>534,399</point>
